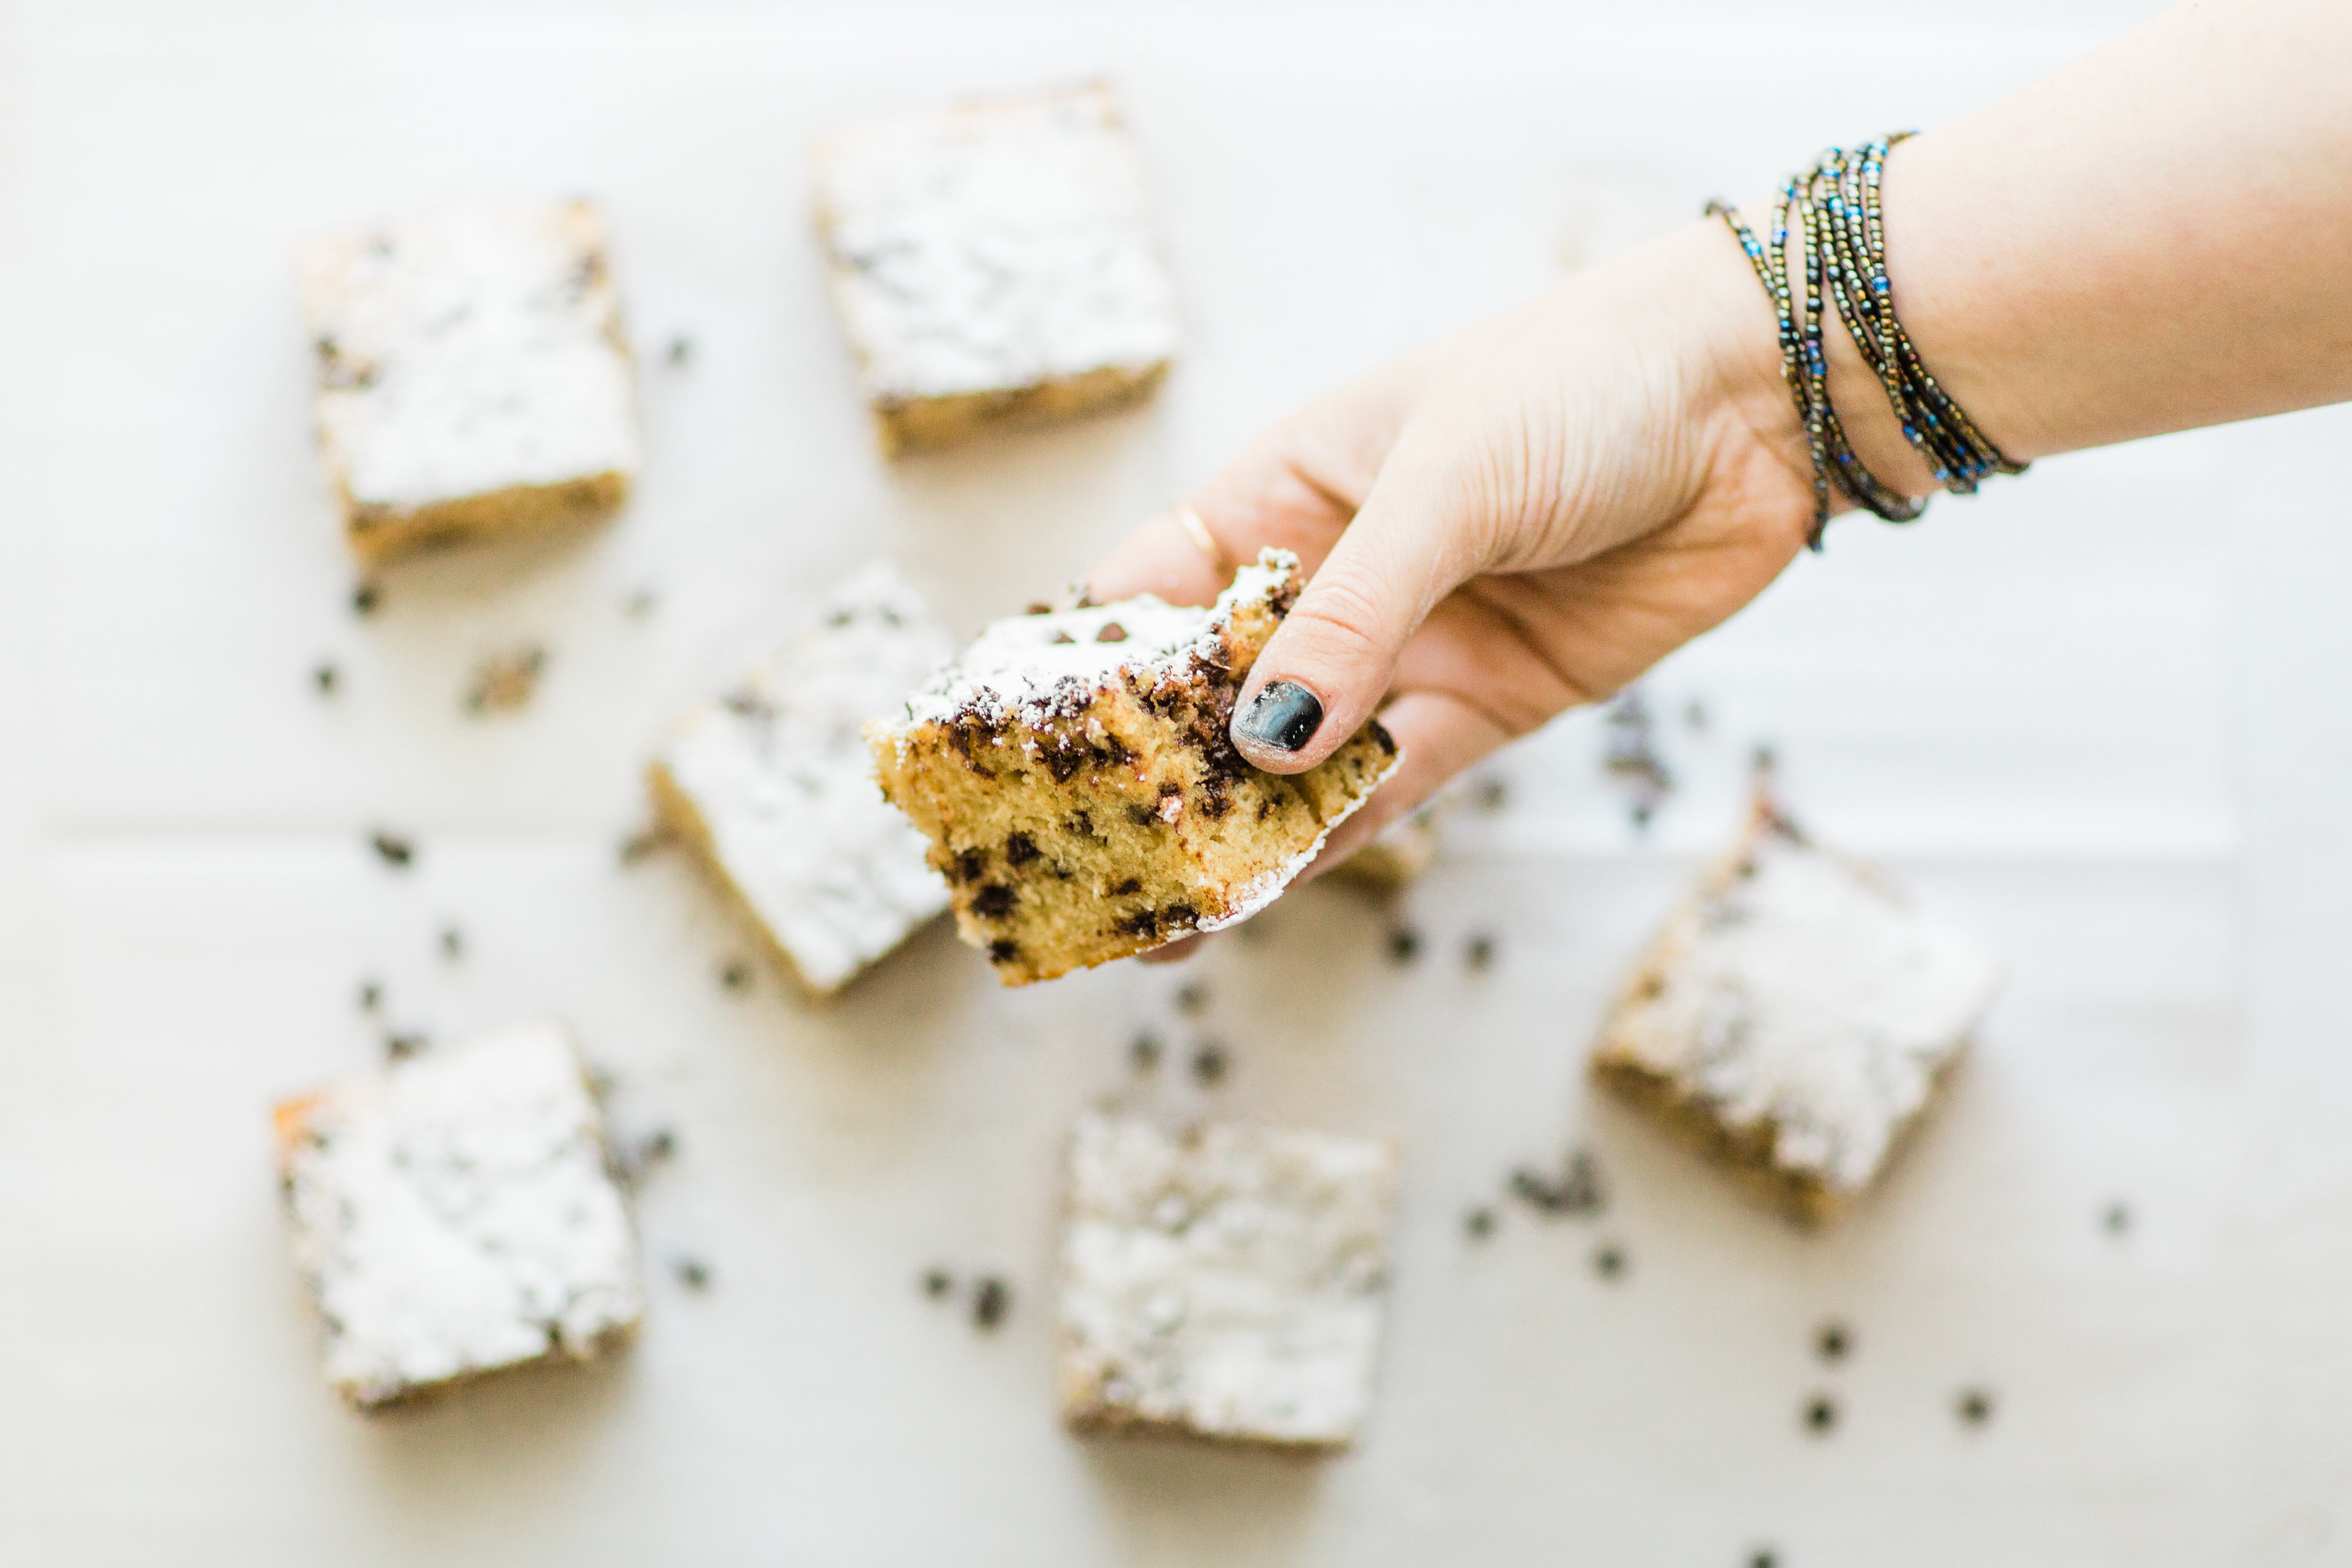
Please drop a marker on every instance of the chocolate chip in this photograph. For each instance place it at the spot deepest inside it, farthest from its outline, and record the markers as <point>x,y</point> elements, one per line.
<point>990,1300</point>
<point>681,349</point>
<point>1181,916</point>
<point>400,1048</point>
<point>1974,1407</point>
<point>971,865</point>
<point>1209,1063</point>
<point>639,603</point>
<point>1478,952</point>
<point>1144,1052</point>
<point>394,849</point>
<point>453,943</point>
<point>735,974</point>
<point>1695,714</point>
<point>2117,1220</point>
<point>693,1273</point>
<point>1191,998</point>
<point>371,995</point>
<point>326,675</point>
<point>1820,1414</point>
<point>1479,1223</point>
<point>1575,1190</point>
<point>365,599</point>
<point>1132,885</point>
<point>937,1283</point>
<point>1763,760</point>
<point>1112,632</point>
<point>992,903</point>
<point>1004,951</point>
<point>1832,1342</point>
<point>1020,849</point>
<point>1404,944</point>
<point>1762,1558</point>
<point>1609,1262</point>
<point>1492,795</point>
<point>658,1146</point>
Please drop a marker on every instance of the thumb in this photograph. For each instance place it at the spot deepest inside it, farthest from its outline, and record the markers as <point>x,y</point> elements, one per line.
<point>1328,666</point>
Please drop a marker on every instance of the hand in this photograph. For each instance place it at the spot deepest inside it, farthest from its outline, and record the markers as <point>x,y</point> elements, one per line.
<point>1513,521</point>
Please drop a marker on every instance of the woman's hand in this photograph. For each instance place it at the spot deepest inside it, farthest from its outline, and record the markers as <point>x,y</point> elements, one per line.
<point>1511,522</point>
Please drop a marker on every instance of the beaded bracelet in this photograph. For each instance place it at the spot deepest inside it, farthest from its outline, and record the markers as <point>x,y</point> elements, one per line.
<point>1835,203</point>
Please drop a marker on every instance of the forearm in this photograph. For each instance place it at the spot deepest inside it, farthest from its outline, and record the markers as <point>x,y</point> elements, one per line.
<point>2157,236</point>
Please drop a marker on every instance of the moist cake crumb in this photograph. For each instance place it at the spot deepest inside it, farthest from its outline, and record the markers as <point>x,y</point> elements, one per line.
<point>1083,799</point>
<point>1796,1017</point>
<point>995,262</point>
<point>473,379</point>
<point>456,1214</point>
<point>773,783</point>
<point>1224,1282</point>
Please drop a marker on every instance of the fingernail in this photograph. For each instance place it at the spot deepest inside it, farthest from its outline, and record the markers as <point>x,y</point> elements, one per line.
<point>1284,715</point>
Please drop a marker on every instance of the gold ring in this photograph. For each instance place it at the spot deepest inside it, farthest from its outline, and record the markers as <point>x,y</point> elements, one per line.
<point>1203,540</point>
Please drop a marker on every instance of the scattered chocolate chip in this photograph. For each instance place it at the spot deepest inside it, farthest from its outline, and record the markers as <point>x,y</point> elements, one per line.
<point>658,1146</point>
<point>1762,1558</point>
<point>639,603</point>
<point>1192,997</point>
<point>1695,714</point>
<point>1003,950</point>
<point>400,1048</point>
<point>1209,1063</point>
<point>736,975</point>
<point>1144,1052</point>
<point>1763,760</point>
<point>990,1300</point>
<point>1974,1407</point>
<point>2117,1220</point>
<point>644,841</point>
<point>1131,886</point>
<point>937,1283</point>
<point>1820,1413</point>
<point>692,1273</point>
<point>365,599</point>
<point>504,683</point>
<point>453,943</point>
<point>681,349</point>
<point>1112,632</point>
<point>1832,1341</point>
<point>1020,849</point>
<point>1609,1262</point>
<point>1478,952</point>
<point>1493,793</point>
<point>992,903</point>
<point>327,676</point>
<point>1479,1223</point>
<point>394,849</point>
<point>1038,607</point>
<point>371,995</point>
<point>1404,944</point>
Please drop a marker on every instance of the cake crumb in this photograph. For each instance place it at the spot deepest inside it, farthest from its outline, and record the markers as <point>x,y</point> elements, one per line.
<point>503,683</point>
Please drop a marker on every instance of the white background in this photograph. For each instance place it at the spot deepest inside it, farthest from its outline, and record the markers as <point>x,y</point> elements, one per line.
<point>2090,717</point>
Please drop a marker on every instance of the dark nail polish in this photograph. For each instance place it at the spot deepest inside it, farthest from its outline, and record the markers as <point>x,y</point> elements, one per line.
<point>1284,715</point>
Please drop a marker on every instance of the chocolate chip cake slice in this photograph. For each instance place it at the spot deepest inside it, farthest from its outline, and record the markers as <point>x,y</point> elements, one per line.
<point>1074,774</point>
<point>995,262</point>
<point>473,380</point>
<point>1225,1283</point>
<point>773,785</point>
<point>1796,1018</point>
<point>455,1214</point>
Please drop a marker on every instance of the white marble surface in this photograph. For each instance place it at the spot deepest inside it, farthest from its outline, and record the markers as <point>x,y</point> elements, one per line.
<point>2088,717</point>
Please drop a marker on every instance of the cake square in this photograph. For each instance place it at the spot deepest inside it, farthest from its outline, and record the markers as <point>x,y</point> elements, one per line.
<point>995,261</point>
<point>1796,1017</point>
<point>1225,1283</point>
<point>1074,774</point>
<point>455,1214</point>
<point>472,376</point>
<point>773,785</point>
